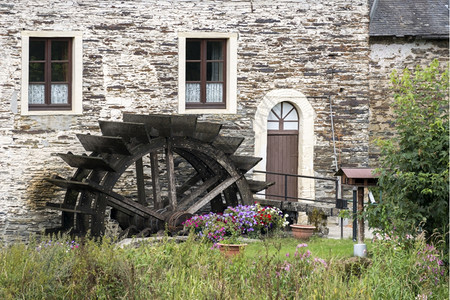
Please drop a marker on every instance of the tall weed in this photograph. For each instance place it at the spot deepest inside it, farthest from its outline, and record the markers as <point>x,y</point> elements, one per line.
<point>272,269</point>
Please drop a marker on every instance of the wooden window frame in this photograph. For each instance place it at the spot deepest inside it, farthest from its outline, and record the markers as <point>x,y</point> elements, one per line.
<point>281,121</point>
<point>47,75</point>
<point>203,72</point>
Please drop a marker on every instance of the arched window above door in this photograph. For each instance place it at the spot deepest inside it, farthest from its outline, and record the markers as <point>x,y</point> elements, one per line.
<point>283,117</point>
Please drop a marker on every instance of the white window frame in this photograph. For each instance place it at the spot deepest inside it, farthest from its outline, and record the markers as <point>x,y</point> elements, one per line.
<point>231,72</point>
<point>77,72</point>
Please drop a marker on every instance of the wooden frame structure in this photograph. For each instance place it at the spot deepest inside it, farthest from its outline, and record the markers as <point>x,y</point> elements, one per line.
<point>218,179</point>
<point>358,178</point>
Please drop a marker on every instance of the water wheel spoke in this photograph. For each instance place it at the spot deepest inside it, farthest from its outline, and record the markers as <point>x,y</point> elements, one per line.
<point>69,208</point>
<point>156,188</point>
<point>140,182</point>
<point>119,153</point>
<point>172,192</point>
<point>230,195</point>
<point>189,184</point>
<point>213,193</point>
<point>186,202</point>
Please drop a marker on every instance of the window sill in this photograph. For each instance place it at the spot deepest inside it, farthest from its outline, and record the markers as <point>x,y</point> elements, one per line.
<point>50,112</point>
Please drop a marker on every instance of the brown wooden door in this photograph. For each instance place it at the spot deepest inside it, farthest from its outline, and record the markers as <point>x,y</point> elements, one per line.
<point>282,151</point>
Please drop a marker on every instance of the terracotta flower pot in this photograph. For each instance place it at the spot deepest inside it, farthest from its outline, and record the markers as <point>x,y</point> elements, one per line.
<point>302,232</point>
<point>231,249</point>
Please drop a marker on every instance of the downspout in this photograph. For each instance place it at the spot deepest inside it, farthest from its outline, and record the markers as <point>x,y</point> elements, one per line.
<point>373,9</point>
<point>338,183</point>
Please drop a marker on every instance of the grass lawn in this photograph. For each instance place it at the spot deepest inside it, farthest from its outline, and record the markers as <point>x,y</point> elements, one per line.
<point>269,269</point>
<point>319,247</point>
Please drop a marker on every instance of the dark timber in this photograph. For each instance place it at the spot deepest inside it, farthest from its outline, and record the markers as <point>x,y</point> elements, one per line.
<point>150,146</point>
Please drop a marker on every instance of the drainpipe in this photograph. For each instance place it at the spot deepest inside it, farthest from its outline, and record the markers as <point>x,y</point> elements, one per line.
<point>338,183</point>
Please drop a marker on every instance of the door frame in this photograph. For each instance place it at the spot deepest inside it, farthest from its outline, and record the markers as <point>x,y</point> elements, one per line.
<point>306,139</point>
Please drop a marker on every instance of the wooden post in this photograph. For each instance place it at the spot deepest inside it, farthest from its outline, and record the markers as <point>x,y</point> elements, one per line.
<point>140,182</point>
<point>171,176</point>
<point>157,203</point>
<point>360,211</point>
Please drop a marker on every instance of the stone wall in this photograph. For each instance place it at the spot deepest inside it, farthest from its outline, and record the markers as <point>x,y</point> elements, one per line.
<point>387,54</point>
<point>130,65</point>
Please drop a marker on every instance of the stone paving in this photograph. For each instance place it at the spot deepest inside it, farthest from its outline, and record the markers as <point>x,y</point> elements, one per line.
<point>335,230</point>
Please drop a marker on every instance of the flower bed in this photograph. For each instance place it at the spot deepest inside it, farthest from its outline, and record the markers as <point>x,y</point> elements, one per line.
<point>240,220</point>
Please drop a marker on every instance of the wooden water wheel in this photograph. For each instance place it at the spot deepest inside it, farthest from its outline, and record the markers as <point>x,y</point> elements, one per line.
<point>217,179</point>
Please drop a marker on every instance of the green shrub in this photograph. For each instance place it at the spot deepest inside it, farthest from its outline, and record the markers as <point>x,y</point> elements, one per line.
<point>414,172</point>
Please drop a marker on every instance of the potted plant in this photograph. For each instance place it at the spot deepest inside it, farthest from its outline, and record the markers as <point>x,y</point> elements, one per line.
<point>225,229</point>
<point>302,232</point>
<point>231,245</point>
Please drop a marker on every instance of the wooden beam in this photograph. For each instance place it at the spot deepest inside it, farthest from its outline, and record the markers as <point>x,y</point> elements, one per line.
<point>125,130</point>
<point>244,191</point>
<point>85,202</point>
<point>213,193</point>
<point>187,201</point>
<point>103,144</point>
<point>171,176</point>
<point>156,124</point>
<point>121,203</point>
<point>184,125</point>
<point>156,187</point>
<point>230,195</point>
<point>69,208</point>
<point>228,144</point>
<point>86,162</point>
<point>257,186</point>
<point>69,184</point>
<point>140,182</point>
<point>206,132</point>
<point>245,163</point>
<point>165,125</point>
<point>115,200</point>
<point>188,184</point>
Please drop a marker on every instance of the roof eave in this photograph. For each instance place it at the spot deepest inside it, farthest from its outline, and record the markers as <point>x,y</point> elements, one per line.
<point>420,36</point>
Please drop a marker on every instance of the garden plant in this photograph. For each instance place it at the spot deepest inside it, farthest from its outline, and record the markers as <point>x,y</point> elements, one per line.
<point>242,220</point>
<point>414,173</point>
<point>274,268</point>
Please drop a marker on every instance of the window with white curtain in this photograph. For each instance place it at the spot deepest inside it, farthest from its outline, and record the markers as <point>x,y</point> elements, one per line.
<point>205,73</point>
<point>49,73</point>
<point>52,67</point>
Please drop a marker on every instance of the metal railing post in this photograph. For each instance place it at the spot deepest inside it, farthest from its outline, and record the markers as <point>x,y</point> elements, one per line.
<point>285,188</point>
<point>355,223</point>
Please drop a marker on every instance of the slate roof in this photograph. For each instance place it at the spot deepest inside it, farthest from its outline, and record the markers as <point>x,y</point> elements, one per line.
<point>357,173</point>
<point>419,18</point>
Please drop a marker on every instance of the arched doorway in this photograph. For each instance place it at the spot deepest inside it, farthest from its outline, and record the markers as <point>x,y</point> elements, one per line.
<point>282,150</point>
<point>306,140</point>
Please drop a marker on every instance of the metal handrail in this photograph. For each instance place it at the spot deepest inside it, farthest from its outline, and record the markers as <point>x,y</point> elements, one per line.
<point>296,175</point>
<point>340,203</point>
<point>286,197</point>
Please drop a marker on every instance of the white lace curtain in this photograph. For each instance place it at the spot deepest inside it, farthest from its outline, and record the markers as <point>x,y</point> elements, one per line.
<point>59,94</point>
<point>214,90</point>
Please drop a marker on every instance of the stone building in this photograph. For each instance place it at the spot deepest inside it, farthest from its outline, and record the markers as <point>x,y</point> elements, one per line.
<point>107,58</point>
<point>402,34</point>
